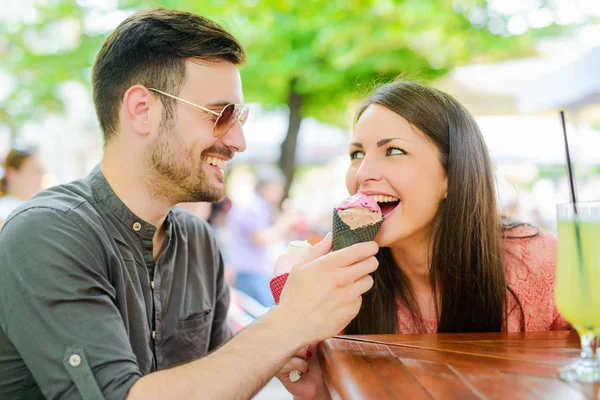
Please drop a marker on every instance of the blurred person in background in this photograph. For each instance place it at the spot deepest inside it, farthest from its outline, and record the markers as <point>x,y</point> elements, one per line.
<point>243,310</point>
<point>218,222</point>
<point>21,179</point>
<point>254,226</point>
<point>109,291</point>
<point>447,261</point>
<point>216,215</point>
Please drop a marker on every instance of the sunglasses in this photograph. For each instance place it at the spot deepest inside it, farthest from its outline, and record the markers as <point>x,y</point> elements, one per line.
<point>225,119</point>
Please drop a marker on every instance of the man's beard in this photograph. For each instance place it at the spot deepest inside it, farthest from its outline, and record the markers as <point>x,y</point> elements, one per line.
<point>177,174</point>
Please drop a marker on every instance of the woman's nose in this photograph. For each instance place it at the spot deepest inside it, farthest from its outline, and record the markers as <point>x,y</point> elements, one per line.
<point>369,170</point>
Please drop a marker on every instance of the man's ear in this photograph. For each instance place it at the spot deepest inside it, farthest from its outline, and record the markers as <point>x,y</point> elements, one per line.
<point>137,102</point>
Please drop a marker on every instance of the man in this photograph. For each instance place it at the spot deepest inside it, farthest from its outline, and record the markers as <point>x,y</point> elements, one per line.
<point>108,292</point>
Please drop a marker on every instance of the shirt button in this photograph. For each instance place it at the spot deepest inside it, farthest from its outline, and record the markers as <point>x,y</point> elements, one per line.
<point>153,335</point>
<point>75,360</point>
<point>137,226</point>
<point>152,285</point>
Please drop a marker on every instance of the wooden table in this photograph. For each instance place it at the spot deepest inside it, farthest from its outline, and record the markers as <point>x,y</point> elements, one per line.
<point>453,366</point>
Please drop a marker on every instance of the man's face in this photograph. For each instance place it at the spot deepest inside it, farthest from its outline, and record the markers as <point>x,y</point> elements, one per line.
<point>188,160</point>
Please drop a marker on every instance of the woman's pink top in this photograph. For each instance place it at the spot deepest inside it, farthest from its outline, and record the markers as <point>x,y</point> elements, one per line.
<point>530,272</point>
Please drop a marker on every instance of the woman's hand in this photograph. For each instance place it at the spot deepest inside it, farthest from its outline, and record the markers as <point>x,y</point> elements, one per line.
<point>311,385</point>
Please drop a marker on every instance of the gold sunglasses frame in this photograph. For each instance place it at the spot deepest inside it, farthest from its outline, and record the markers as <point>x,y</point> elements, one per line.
<point>243,109</point>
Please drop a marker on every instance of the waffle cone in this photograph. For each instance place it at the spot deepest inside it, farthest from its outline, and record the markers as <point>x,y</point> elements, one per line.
<point>344,236</point>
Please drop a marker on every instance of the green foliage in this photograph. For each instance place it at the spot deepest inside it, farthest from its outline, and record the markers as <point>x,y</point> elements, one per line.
<point>339,53</point>
<point>551,171</point>
<point>335,50</point>
<point>331,53</point>
<point>39,72</point>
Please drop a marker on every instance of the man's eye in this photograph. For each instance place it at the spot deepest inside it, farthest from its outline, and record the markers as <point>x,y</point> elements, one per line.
<point>355,155</point>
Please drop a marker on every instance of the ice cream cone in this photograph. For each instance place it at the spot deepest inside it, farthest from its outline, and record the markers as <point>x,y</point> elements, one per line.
<point>344,235</point>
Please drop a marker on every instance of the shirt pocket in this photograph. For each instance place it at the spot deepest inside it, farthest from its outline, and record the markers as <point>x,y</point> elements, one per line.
<point>192,334</point>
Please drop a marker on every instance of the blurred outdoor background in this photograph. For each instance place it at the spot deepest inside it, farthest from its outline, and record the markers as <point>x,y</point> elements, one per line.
<point>512,63</point>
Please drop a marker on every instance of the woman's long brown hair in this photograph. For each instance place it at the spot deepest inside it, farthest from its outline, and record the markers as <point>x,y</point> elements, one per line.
<point>13,160</point>
<point>466,266</point>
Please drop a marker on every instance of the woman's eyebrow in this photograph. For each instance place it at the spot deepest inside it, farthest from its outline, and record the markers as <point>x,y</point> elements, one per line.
<point>380,143</point>
<point>383,142</point>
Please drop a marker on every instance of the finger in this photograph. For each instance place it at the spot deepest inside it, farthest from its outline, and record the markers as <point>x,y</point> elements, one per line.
<point>304,352</point>
<point>349,310</point>
<point>354,272</point>
<point>319,249</point>
<point>352,254</point>
<point>295,364</point>
<point>354,308</point>
<point>363,285</point>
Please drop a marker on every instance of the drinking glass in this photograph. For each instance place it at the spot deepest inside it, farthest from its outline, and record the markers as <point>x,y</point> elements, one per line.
<point>577,291</point>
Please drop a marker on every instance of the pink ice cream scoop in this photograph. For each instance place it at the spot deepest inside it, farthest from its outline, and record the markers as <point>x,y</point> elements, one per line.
<point>359,210</point>
<point>359,200</point>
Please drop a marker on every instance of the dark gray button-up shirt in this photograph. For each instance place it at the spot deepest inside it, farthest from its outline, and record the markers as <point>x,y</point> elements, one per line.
<point>84,309</point>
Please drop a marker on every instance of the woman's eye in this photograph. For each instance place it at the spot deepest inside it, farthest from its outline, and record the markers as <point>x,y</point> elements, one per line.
<point>355,155</point>
<point>393,151</point>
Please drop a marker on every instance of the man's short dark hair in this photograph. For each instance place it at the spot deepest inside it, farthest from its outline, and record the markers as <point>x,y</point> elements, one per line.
<point>150,48</point>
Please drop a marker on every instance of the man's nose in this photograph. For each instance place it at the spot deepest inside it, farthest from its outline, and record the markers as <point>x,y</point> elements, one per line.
<point>234,139</point>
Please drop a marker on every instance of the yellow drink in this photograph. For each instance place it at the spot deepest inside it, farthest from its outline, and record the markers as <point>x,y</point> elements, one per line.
<point>577,291</point>
<point>578,287</point>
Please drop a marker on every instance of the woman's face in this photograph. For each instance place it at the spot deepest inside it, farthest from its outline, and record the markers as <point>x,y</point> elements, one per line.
<point>400,168</point>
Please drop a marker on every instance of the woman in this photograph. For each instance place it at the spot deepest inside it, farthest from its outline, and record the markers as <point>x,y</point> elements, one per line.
<point>447,262</point>
<point>22,178</point>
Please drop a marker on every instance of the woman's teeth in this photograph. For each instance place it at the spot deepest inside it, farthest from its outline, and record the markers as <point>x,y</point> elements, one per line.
<point>216,162</point>
<point>384,199</point>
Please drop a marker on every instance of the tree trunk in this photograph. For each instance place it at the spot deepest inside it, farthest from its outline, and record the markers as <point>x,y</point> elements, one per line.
<point>287,160</point>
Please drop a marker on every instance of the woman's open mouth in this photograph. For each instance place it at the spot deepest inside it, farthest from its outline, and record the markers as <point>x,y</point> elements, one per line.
<point>387,204</point>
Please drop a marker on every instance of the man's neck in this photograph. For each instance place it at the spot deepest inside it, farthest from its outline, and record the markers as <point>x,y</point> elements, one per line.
<point>124,174</point>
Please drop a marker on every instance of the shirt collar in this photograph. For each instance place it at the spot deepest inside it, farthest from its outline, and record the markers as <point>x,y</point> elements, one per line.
<point>103,192</point>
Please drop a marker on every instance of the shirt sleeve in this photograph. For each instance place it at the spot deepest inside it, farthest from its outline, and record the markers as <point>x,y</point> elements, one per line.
<point>58,306</point>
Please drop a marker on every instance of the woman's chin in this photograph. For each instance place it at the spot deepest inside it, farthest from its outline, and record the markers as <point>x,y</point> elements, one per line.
<point>389,237</point>
<point>381,239</point>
